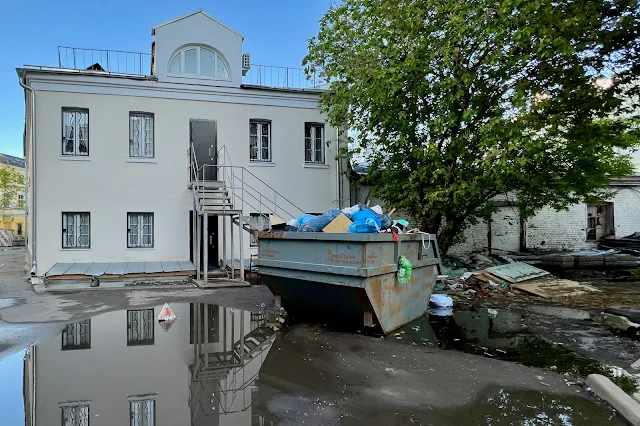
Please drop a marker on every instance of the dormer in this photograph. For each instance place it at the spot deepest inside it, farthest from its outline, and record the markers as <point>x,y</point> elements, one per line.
<point>197,49</point>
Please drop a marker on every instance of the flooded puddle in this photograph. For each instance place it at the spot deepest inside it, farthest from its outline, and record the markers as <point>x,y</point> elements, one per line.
<point>502,334</point>
<point>222,366</point>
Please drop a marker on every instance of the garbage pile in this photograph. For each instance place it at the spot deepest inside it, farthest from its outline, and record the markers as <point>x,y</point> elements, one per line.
<point>359,219</point>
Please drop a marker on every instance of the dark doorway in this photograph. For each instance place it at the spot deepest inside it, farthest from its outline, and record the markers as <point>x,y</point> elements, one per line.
<point>203,137</point>
<point>211,240</point>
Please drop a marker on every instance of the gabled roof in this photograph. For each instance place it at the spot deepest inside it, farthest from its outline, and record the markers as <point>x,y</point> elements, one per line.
<point>12,161</point>
<point>154,28</point>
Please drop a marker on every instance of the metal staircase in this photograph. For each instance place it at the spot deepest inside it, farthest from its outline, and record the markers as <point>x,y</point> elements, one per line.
<point>234,192</point>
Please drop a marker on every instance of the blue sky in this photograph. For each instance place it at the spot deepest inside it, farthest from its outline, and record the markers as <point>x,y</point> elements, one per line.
<point>11,402</point>
<point>276,33</point>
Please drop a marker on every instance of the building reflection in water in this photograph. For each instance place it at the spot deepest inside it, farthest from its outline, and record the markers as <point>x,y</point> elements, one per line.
<point>124,368</point>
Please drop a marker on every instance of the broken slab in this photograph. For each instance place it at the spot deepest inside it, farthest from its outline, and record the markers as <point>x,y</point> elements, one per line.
<point>626,406</point>
<point>516,272</point>
<point>551,288</point>
<point>618,322</point>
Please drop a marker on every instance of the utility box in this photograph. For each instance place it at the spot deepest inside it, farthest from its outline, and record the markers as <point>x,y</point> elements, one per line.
<point>350,275</point>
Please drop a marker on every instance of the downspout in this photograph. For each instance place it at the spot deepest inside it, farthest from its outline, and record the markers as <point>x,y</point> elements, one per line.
<point>32,234</point>
<point>338,194</point>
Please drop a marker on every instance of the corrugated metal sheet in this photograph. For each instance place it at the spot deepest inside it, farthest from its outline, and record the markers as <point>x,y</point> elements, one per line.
<point>152,267</point>
<point>59,269</point>
<point>135,268</point>
<point>171,266</point>
<point>116,268</point>
<point>120,268</point>
<point>78,269</point>
<point>516,272</point>
<point>97,269</point>
<point>187,266</point>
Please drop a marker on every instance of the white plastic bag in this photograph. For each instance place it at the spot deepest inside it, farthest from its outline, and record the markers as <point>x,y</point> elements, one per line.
<point>351,210</point>
<point>377,209</point>
<point>441,300</point>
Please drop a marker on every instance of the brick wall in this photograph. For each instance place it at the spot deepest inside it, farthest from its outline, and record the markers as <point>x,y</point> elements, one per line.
<point>566,229</point>
<point>626,211</point>
<point>505,229</point>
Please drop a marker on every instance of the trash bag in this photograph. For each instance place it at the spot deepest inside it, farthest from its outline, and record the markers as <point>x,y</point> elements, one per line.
<point>384,219</point>
<point>364,226</point>
<point>319,222</point>
<point>366,213</point>
<point>350,210</point>
<point>304,219</point>
<point>404,270</point>
<point>441,300</point>
<point>376,209</point>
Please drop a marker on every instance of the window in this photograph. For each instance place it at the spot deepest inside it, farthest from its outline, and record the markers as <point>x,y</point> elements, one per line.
<point>139,230</point>
<point>140,327</point>
<point>199,61</point>
<point>259,140</point>
<point>77,336</point>
<point>76,230</point>
<point>258,222</point>
<point>19,230</point>
<point>75,131</point>
<point>21,201</point>
<point>141,135</point>
<point>142,411</point>
<point>75,413</point>
<point>599,221</point>
<point>314,143</point>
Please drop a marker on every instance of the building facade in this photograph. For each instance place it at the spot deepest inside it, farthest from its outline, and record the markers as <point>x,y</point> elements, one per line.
<point>13,205</point>
<point>111,146</point>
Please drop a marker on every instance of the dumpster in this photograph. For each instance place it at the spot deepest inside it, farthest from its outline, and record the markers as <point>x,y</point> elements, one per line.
<point>349,275</point>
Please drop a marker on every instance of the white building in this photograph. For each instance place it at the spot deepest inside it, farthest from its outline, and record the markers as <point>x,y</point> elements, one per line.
<point>110,169</point>
<point>124,368</point>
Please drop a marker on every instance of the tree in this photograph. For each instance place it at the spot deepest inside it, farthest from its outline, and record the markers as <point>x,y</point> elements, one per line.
<point>455,102</point>
<point>11,183</point>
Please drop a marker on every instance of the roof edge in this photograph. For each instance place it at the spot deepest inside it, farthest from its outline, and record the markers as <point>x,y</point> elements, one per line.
<point>179,18</point>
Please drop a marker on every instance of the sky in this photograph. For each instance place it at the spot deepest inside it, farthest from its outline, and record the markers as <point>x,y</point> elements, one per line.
<point>276,33</point>
<point>11,402</point>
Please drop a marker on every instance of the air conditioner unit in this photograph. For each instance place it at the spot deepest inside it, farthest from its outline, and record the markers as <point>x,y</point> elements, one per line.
<point>246,63</point>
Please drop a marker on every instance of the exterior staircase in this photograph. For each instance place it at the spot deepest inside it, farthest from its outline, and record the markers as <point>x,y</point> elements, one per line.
<point>233,193</point>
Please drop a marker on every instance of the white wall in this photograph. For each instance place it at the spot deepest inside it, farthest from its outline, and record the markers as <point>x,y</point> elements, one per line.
<point>198,29</point>
<point>108,186</point>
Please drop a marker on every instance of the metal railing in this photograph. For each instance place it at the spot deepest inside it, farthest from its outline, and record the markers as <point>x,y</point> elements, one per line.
<point>283,77</point>
<point>112,61</point>
<point>258,195</point>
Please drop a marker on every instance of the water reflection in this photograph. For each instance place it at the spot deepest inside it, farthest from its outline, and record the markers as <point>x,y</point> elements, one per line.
<point>124,368</point>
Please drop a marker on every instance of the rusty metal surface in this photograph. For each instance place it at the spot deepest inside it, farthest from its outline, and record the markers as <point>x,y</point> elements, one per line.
<point>396,304</point>
<point>312,270</point>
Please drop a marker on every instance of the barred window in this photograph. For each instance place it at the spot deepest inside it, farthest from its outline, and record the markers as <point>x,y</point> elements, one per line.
<point>140,327</point>
<point>139,230</point>
<point>142,411</point>
<point>314,143</point>
<point>75,413</point>
<point>259,140</point>
<point>75,131</point>
<point>76,228</point>
<point>77,335</point>
<point>141,135</point>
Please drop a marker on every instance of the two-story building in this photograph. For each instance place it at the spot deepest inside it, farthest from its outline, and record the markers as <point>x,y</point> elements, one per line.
<point>124,150</point>
<point>12,204</point>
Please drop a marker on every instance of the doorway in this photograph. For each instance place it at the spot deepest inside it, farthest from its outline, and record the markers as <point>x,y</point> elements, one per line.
<point>203,135</point>
<point>211,240</point>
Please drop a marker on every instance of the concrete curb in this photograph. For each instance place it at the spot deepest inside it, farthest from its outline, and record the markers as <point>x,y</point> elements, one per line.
<point>626,406</point>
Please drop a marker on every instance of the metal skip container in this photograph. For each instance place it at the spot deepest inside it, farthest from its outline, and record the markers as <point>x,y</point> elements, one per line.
<point>349,275</point>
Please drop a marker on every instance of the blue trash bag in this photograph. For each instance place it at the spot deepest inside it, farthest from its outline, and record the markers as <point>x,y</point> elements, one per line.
<point>304,219</point>
<point>361,215</point>
<point>319,222</point>
<point>364,226</point>
<point>384,219</point>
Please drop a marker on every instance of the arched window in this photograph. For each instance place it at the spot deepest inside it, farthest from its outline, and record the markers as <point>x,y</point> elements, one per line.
<point>199,61</point>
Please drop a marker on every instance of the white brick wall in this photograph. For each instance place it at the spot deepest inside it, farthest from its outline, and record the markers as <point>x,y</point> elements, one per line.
<point>475,239</point>
<point>563,230</point>
<point>626,211</point>
<point>505,229</point>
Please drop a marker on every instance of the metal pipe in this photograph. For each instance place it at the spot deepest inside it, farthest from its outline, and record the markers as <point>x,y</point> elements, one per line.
<point>339,195</point>
<point>205,243</point>
<point>240,229</point>
<point>233,267</point>
<point>32,232</point>
<point>198,246</point>
<point>224,241</point>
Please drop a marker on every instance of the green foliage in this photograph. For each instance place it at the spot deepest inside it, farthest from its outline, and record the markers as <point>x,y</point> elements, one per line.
<point>11,183</point>
<point>455,102</point>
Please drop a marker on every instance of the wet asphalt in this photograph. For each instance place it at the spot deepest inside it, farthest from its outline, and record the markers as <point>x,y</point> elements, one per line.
<point>315,376</point>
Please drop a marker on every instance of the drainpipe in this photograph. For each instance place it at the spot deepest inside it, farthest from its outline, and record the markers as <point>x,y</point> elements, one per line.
<point>32,234</point>
<point>338,194</point>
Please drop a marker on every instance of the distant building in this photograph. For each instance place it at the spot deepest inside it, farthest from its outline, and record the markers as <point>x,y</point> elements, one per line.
<point>13,210</point>
<point>138,157</point>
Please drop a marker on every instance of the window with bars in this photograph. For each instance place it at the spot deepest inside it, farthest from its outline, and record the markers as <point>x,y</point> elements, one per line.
<point>75,131</point>
<point>76,228</point>
<point>75,414</point>
<point>141,135</point>
<point>260,222</point>
<point>259,140</point>
<point>314,143</point>
<point>20,201</point>
<point>139,230</point>
<point>142,411</point>
<point>77,335</point>
<point>140,327</point>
